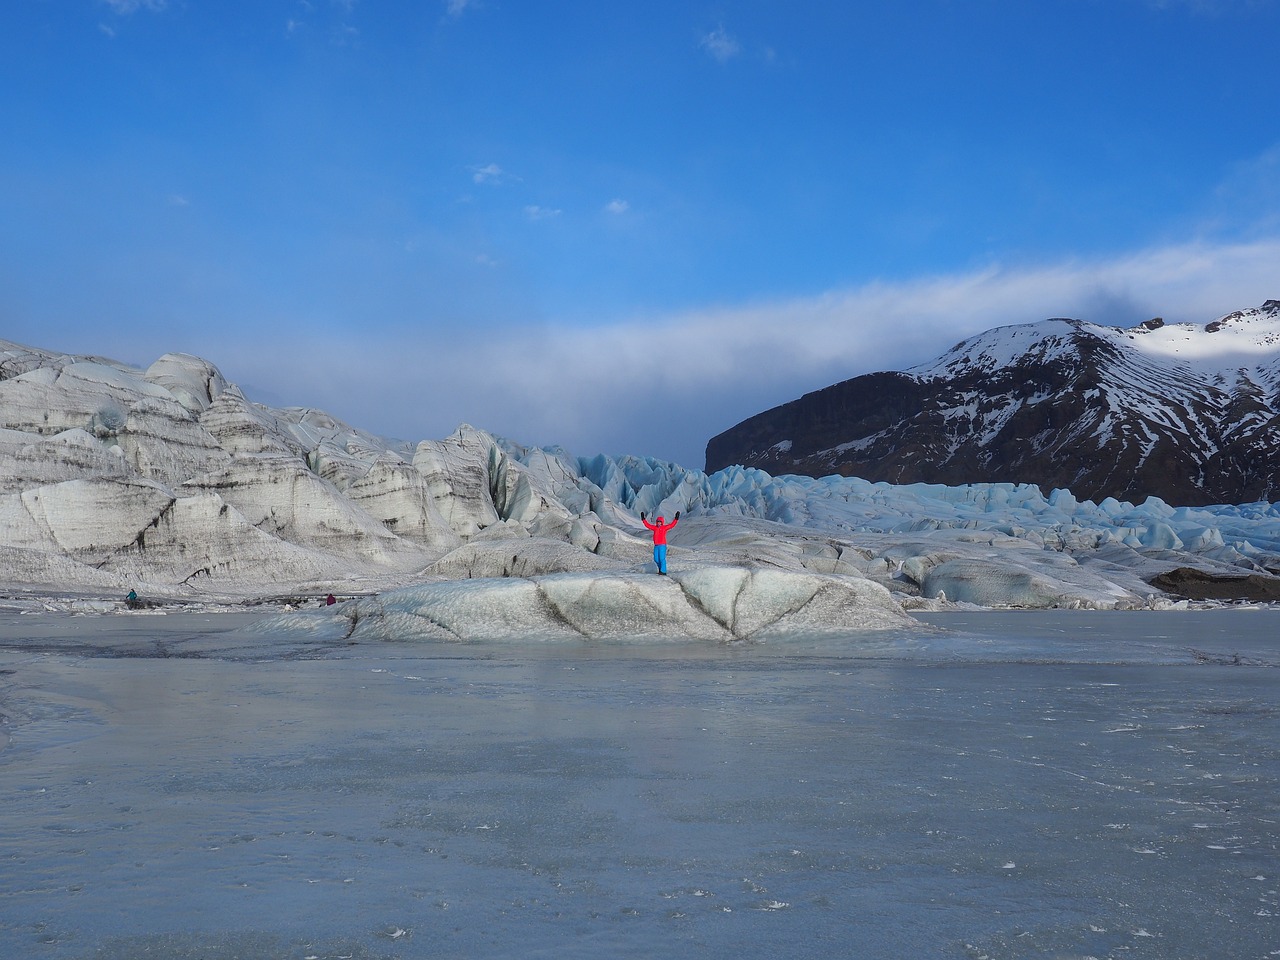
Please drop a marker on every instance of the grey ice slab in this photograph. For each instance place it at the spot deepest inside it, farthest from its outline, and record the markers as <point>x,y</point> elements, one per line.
<point>163,634</point>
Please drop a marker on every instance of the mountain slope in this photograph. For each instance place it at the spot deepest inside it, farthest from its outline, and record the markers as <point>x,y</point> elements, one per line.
<point>1185,412</point>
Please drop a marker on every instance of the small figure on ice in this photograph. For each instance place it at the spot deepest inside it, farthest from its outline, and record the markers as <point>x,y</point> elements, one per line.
<point>660,540</point>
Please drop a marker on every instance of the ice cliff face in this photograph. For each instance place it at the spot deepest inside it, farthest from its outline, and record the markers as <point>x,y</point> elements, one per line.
<point>169,480</point>
<point>1184,412</point>
<point>112,475</point>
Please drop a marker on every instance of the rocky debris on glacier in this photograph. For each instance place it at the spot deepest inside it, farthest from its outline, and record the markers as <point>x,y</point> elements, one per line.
<point>1203,585</point>
<point>171,481</point>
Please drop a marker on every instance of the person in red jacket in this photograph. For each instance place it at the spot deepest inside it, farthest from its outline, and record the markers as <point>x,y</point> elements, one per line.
<point>660,540</point>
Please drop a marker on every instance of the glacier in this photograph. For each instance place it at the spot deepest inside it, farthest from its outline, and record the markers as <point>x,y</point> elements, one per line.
<point>171,482</point>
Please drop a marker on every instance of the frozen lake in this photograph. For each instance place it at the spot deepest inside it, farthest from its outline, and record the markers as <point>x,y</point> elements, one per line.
<point>1017,785</point>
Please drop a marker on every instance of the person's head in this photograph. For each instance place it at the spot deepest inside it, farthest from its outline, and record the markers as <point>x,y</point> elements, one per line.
<point>662,519</point>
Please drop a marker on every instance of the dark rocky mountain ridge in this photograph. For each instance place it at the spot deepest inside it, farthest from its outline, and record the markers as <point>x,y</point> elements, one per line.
<point>1185,412</point>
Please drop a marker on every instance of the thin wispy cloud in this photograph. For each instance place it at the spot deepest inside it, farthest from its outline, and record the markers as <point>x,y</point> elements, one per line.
<point>1211,7</point>
<point>126,7</point>
<point>535,212</point>
<point>1250,191</point>
<point>491,173</point>
<point>720,45</point>
<point>331,20</point>
<point>617,207</point>
<point>456,8</point>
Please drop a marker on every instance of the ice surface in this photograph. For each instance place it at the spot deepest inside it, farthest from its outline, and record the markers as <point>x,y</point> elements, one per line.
<point>1016,785</point>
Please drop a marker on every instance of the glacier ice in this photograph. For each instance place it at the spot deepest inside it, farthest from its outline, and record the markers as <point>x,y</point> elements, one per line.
<point>171,481</point>
<point>706,602</point>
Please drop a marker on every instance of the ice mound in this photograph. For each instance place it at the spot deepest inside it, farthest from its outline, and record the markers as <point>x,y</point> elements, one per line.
<point>989,585</point>
<point>704,603</point>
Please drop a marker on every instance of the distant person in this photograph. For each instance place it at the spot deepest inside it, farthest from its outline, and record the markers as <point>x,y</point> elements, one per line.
<point>330,600</point>
<point>132,601</point>
<point>660,540</point>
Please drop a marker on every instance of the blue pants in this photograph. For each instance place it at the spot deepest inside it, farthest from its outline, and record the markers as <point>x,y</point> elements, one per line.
<point>660,556</point>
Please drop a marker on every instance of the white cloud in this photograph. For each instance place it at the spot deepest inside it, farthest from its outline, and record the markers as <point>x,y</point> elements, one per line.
<point>535,212</point>
<point>617,207</point>
<point>491,173</point>
<point>126,7</point>
<point>663,385</point>
<point>455,8</point>
<point>721,45</point>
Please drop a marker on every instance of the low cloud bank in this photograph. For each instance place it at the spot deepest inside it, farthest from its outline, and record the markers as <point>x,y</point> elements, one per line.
<point>663,385</point>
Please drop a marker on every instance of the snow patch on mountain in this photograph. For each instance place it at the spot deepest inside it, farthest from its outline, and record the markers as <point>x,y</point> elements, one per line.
<point>1241,339</point>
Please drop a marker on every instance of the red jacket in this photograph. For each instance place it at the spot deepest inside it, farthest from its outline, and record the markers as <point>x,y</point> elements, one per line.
<point>660,529</point>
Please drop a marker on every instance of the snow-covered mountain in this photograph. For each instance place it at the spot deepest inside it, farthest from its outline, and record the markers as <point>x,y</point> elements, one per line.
<point>1188,413</point>
<point>169,481</point>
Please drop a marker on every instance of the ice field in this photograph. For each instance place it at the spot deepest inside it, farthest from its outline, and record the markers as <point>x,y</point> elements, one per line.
<point>1014,784</point>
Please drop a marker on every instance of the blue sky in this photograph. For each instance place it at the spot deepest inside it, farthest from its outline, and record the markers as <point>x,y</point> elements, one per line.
<point>620,227</point>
